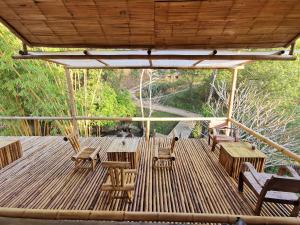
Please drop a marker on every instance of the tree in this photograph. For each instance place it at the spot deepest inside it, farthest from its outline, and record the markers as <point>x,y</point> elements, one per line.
<point>38,88</point>
<point>253,108</point>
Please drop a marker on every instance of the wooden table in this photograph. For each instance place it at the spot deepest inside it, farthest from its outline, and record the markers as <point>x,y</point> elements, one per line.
<point>128,152</point>
<point>9,152</point>
<point>233,154</point>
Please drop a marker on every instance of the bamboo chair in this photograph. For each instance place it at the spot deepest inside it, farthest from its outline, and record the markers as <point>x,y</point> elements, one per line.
<point>217,134</point>
<point>120,179</point>
<point>272,188</point>
<point>83,154</point>
<point>164,157</point>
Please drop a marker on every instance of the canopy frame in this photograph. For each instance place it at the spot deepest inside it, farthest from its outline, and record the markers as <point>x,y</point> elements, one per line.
<point>157,59</point>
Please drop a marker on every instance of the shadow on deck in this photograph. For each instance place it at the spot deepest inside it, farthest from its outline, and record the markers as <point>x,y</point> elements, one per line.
<point>45,178</point>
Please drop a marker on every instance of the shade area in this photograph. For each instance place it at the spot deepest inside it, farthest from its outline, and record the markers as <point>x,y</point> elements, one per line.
<point>66,59</point>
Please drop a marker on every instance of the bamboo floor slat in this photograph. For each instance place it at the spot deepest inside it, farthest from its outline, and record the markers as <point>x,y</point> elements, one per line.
<point>45,178</point>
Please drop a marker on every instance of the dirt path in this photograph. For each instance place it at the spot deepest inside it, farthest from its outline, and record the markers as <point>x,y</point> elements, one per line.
<point>183,128</point>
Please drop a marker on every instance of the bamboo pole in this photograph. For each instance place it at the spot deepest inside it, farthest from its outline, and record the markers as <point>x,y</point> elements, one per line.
<point>48,214</point>
<point>141,96</point>
<point>231,99</point>
<point>148,131</point>
<point>155,57</point>
<point>150,92</point>
<point>126,119</point>
<point>71,100</point>
<point>280,148</point>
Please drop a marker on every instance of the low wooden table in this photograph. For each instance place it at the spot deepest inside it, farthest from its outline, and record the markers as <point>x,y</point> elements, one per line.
<point>128,152</point>
<point>233,154</point>
<point>9,152</point>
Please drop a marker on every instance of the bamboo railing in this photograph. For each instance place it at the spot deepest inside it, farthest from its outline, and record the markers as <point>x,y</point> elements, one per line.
<point>266,140</point>
<point>271,143</point>
<point>142,216</point>
<point>125,119</point>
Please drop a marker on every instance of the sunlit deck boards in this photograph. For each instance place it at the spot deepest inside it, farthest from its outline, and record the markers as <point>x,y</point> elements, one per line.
<point>45,178</point>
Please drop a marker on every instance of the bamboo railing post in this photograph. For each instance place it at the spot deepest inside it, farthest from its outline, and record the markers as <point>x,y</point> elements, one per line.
<point>148,131</point>
<point>72,105</point>
<point>141,96</point>
<point>231,99</point>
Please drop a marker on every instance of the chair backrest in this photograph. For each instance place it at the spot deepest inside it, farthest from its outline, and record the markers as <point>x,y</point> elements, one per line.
<point>74,140</point>
<point>116,172</point>
<point>285,184</point>
<point>174,139</point>
<point>217,123</point>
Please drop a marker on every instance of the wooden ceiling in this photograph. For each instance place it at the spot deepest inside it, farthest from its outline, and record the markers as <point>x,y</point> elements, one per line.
<point>153,23</point>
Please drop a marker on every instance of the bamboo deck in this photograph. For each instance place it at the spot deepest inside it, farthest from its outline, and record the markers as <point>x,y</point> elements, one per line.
<point>45,178</point>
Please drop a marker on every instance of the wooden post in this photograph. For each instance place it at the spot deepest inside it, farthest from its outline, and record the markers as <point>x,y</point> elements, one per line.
<point>291,52</point>
<point>141,96</point>
<point>231,99</point>
<point>72,104</point>
<point>150,92</point>
<point>148,131</point>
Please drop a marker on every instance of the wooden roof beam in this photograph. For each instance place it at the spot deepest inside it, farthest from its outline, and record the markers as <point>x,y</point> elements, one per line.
<point>242,65</point>
<point>214,52</point>
<point>158,57</point>
<point>86,52</point>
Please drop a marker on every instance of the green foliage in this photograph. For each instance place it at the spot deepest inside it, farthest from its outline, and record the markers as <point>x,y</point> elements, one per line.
<point>27,87</point>
<point>163,127</point>
<point>281,80</point>
<point>196,133</point>
<point>38,88</point>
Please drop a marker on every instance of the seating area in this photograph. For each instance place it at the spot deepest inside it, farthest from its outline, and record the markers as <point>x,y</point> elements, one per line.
<point>217,132</point>
<point>164,157</point>
<point>272,188</point>
<point>44,178</point>
<point>82,153</point>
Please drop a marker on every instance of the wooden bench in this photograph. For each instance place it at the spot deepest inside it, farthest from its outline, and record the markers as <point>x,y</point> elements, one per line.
<point>119,179</point>
<point>272,188</point>
<point>163,157</point>
<point>83,153</point>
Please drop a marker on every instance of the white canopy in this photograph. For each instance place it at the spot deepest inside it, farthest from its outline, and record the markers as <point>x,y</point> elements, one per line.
<point>99,59</point>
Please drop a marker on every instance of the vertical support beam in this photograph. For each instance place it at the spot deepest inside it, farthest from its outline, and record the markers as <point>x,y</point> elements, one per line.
<point>85,81</point>
<point>150,92</point>
<point>291,52</point>
<point>231,98</point>
<point>148,131</point>
<point>72,105</point>
<point>141,95</point>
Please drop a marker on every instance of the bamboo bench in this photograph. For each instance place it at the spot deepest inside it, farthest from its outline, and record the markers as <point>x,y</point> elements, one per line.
<point>119,179</point>
<point>163,157</point>
<point>84,153</point>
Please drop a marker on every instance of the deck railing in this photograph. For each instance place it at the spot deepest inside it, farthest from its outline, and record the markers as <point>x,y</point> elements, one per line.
<point>48,214</point>
<point>148,121</point>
